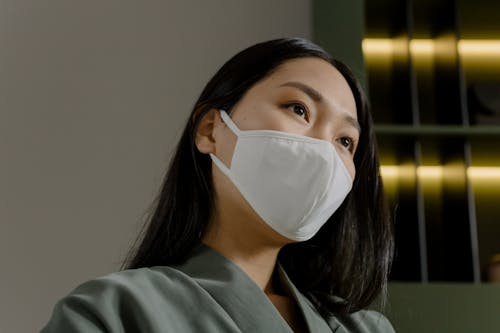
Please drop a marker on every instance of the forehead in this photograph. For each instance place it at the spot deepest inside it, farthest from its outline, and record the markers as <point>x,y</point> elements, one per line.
<point>319,75</point>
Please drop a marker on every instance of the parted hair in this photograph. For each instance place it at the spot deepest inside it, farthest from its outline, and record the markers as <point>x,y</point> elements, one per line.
<point>345,266</point>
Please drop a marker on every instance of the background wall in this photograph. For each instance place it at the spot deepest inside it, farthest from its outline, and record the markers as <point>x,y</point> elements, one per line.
<point>93,96</point>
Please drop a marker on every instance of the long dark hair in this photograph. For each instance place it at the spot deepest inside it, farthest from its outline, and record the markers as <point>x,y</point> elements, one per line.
<point>351,254</point>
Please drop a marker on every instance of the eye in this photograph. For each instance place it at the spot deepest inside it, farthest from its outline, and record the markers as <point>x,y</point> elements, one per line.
<point>347,143</point>
<point>298,109</point>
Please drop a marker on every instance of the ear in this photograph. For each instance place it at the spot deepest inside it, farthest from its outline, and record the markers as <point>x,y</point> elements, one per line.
<point>205,136</point>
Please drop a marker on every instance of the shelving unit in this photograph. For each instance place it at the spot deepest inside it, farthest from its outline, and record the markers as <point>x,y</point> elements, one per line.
<point>431,65</point>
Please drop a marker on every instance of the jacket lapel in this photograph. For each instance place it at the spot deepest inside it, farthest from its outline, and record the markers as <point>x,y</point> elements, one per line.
<point>236,293</point>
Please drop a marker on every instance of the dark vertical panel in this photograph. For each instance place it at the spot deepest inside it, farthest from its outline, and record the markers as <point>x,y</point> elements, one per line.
<point>406,265</point>
<point>339,28</point>
<point>452,247</point>
<point>486,23</point>
<point>449,242</point>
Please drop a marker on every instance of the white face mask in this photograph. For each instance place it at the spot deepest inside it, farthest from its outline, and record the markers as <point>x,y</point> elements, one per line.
<point>293,182</point>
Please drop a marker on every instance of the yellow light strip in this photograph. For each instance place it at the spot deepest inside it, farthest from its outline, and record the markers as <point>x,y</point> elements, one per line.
<point>377,46</point>
<point>466,47</point>
<point>428,172</point>
<point>479,47</point>
<point>422,46</point>
<point>491,173</point>
<point>389,171</point>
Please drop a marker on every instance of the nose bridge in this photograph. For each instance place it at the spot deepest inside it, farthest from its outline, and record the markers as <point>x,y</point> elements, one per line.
<point>323,129</point>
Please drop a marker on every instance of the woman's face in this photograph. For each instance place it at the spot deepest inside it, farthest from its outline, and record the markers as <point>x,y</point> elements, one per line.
<point>305,96</point>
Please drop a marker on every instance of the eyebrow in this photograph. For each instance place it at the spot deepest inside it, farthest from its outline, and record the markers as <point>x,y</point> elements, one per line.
<point>353,122</point>
<point>317,97</point>
<point>311,92</point>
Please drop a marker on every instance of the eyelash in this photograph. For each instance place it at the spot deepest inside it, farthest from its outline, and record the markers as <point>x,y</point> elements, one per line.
<point>349,146</point>
<point>302,106</point>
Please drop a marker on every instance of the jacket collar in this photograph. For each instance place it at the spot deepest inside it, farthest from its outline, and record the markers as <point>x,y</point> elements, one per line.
<point>242,298</point>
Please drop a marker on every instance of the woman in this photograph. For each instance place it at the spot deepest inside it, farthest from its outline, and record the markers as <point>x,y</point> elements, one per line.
<point>271,217</point>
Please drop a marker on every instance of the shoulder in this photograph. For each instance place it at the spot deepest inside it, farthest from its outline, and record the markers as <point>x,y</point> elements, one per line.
<point>131,280</point>
<point>122,298</point>
<point>362,321</point>
<point>130,286</point>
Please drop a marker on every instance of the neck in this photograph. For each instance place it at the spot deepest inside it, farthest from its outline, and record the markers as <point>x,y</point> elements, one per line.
<point>257,262</point>
<point>245,248</point>
<point>239,234</point>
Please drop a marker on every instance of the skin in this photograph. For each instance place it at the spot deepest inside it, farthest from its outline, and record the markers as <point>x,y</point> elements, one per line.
<point>282,101</point>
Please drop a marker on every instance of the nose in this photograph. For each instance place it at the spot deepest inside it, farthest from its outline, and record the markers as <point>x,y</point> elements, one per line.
<point>322,130</point>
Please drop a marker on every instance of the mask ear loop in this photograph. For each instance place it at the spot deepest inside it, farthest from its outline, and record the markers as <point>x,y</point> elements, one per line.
<point>232,126</point>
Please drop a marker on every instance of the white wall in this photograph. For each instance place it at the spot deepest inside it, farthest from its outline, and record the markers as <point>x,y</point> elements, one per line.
<point>93,95</point>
